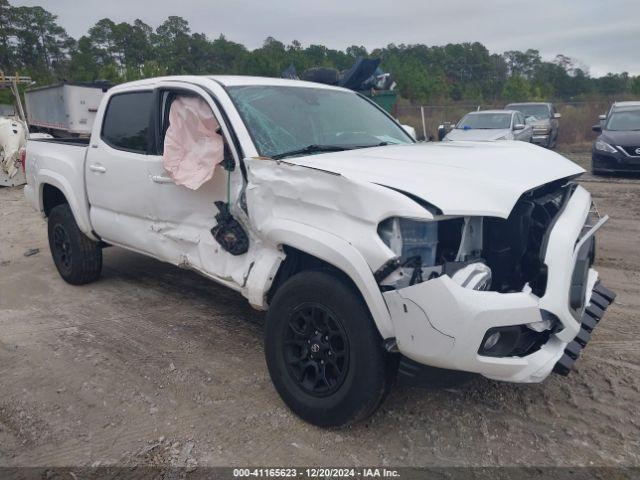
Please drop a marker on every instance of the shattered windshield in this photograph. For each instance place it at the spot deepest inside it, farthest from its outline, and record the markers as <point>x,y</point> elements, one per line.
<point>540,112</point>
<point>624,120</point>
<point>485,121</point>
<point>285,119</point>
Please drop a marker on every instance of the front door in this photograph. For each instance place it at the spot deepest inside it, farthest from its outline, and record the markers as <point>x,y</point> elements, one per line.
<point>182,217</point>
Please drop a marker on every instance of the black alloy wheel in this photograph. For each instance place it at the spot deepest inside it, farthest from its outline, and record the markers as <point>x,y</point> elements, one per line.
<point>61,248</point>
<point>77,257</point>
<point>316,349</point>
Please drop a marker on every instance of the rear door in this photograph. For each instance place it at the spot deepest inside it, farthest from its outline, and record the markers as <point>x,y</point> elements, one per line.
<point>118,170</point>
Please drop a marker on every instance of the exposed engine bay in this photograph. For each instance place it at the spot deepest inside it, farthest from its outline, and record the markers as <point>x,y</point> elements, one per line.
<point>481,253</point>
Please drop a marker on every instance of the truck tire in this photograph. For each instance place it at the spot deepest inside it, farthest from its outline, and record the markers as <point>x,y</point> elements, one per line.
<point>323,351</point>
<point>77,257</point>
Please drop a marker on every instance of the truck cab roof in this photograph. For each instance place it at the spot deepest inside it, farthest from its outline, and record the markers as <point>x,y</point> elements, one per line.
<point>227,81</point>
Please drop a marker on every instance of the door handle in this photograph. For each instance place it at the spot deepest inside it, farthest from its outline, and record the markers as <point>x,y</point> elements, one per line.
<point>97,168</point>
<point>161,179</point>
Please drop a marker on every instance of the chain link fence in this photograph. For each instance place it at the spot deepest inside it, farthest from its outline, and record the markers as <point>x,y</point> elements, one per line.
<point>575,124</point>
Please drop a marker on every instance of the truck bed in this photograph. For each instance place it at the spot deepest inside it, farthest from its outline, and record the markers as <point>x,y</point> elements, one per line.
<point>59,163</point>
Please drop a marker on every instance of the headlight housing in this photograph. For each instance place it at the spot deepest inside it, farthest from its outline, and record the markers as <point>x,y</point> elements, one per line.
<point>410,238</point>
<point>604,147</point>
<point>428,249</point>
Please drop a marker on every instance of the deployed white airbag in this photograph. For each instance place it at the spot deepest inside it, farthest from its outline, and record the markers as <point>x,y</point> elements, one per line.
<point>192,148</point>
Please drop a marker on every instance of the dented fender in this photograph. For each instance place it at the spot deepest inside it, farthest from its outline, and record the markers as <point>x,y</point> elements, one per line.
<point>339,253</point>
<point>326,202</point>
<point>330,217</point>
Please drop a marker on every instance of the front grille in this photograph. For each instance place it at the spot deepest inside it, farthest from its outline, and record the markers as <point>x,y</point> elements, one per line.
<point>631,151</point>
<point>515,248</point>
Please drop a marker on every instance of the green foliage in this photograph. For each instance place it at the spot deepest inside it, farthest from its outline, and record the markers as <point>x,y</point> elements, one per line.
<point>635,86</point>
<point>32,43</point>
<point>516,89</point>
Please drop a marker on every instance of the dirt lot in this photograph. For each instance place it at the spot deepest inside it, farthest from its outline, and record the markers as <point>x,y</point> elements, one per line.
<point>152,364</point>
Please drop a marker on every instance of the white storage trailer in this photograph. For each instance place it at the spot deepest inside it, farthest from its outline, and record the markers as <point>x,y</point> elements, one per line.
<point>64,109</point>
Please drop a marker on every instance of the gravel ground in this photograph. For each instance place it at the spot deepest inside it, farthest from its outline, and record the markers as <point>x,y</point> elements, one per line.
<point>156,365</point>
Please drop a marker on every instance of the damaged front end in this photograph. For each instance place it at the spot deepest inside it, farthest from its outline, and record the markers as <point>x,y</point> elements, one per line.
<point>503,297</point>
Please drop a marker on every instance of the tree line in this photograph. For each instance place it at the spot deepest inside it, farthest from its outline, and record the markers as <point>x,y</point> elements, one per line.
<point>33,43</point>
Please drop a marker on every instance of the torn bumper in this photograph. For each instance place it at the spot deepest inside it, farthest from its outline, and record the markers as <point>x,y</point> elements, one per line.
<point>601,298</point>
<point>441,324</point>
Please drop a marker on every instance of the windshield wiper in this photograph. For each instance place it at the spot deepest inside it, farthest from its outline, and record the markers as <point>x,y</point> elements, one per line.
<point>326,148</point>
<point>311,149</point>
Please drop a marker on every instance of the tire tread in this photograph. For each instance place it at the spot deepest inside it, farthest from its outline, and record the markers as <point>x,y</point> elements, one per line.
<point>87,264</point>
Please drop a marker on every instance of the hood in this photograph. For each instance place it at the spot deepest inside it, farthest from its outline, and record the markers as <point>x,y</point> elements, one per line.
<point>624,139</point>
<point>477,134</point>
<point>459,178</point>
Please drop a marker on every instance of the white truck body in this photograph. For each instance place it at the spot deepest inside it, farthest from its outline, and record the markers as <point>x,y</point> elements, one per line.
<point>65,107</point>
<point>331,206</point>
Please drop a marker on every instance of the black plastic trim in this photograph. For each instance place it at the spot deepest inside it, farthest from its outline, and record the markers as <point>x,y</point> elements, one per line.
<point>431,208</point>
<point>570,188</point>
<point>412,373</point>
<point>590,319</point>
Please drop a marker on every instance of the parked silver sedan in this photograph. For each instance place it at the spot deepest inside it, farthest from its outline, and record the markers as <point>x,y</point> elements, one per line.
<point>490,125</point>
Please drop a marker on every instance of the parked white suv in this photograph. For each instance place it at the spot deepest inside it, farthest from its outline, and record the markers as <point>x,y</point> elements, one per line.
<point>372,254</point>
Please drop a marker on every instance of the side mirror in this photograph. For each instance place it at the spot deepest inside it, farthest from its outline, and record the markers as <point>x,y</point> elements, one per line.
<point>597,128</point>
<point>445,128</point>
<point>519,126</point>
<point>410,130</point>
<point>602,117</point>
<point>557,115</point>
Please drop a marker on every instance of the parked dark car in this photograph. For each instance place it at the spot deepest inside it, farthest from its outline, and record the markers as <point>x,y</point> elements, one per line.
<point>543,117</point>
<point>617,148</point>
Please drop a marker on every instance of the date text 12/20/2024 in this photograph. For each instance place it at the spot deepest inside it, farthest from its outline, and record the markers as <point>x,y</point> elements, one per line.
<point>316,472</point>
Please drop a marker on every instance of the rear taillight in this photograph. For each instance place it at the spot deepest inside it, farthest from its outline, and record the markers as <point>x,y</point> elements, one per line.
<point>23,159</point>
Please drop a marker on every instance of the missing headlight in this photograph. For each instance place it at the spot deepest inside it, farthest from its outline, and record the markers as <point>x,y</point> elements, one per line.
<point>410,238</point>
<point>415,244</point>
<point>428,249</point>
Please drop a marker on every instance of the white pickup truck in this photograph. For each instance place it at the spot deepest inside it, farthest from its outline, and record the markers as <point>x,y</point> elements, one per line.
<point>374,256</point>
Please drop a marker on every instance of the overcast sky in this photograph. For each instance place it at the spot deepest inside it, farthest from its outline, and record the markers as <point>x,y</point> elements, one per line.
<point>602,34</point>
